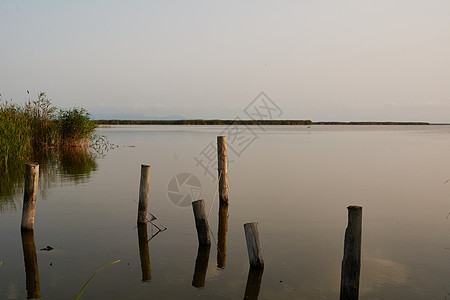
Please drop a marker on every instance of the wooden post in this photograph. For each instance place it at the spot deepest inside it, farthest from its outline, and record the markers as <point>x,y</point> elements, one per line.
<point>143,194</point>
<point>253,245</point>
<point>201,266</point>
<point>222,168</point>
<point>351,263</point>
<point>253,283</point>
<point>29,197</point>
<point>222,236</point>
<point>201,222</point>
<point>31,266</point>
<point>144,252</point>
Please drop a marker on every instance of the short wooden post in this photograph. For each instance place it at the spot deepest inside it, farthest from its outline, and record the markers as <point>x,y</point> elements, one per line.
<point>144,252</point>
<point>29,197</point>
<point>351,263</point>
<point>253,245</point>
<point>201,266</point>
<point>31,266</point>
<point>201,222</point>
<point>222,168</point>
<point>222,236</point>
<point>143,194</point>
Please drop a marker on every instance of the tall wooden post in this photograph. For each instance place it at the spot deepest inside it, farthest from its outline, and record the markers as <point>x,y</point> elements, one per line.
<point>351,263</point>
<point>144,252</point>
<point>222,168</point>
<point>29,197</point>
<point>201,222</point>
<point>143,194</point>
<point>31,266</point>
<point>253,245</point>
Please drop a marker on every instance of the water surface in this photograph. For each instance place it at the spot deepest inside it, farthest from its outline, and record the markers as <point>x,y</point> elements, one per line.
<point>295,181</point>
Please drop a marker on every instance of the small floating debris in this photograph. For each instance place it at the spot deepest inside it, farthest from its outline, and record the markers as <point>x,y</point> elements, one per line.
<point>48,248</point>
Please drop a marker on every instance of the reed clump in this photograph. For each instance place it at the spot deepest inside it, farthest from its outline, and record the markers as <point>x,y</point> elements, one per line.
<point>39,125</point>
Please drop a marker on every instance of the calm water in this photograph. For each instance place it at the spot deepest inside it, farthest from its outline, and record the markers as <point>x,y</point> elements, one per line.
<point>295,181</point>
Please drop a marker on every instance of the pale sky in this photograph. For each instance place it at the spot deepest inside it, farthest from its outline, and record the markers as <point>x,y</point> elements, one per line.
<point>359,60</point>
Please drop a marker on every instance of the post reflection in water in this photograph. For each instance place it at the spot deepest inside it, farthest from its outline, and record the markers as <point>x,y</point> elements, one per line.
<point>222,236</point>
<point>201,266</point>
<point>31,266</point>
<point>144,252</point>
<point>253,283</point>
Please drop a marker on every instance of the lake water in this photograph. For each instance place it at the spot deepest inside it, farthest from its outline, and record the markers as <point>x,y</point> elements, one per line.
<point>295,181</point>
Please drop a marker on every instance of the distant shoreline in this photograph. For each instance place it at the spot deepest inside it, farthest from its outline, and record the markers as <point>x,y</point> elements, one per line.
<point>248,122</point>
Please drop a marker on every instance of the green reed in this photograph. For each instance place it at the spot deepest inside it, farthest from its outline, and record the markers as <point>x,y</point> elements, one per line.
<point>74,127</point>
<point>87,282</point>
<point>38,125</point>
<point>15,132</point>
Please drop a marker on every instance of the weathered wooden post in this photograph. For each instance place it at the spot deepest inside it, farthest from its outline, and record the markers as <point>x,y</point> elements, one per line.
<point>143,194</point>
<point>201,222</point>
<point>201,266</point>
<point>222,173</point>
<point>31,266</point>
<point>253,245</point>
<point>253,283</point>
<point>351,263</point>
<point>29,197</point>
<point>222,168</point>
<point>222,236</point>
<point>144,252</point>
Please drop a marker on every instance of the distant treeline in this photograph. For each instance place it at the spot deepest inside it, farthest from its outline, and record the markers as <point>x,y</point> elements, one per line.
<point>245,122</point>
<point>204,122</point>
<point>371,123</point>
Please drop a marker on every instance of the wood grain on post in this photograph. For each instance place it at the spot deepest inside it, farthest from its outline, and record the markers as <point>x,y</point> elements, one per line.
<point>253,245</point>
<point>201,222</point>
<point>29,197</point>
<point>222,236</point>
<point>351,263</point>
<point>143,194</point>
<point>222,168</point>
<point>31,266</point>
<point>144,252</point>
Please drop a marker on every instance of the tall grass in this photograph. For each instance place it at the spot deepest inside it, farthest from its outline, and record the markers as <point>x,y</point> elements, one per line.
<point>15,132</point>
<point>39,125</point>
<point>74,127</point>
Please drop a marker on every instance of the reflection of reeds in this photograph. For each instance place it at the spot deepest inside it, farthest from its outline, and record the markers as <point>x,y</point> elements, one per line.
<point>11,182</point>
<point>76,163</point>
<point>66,164</point>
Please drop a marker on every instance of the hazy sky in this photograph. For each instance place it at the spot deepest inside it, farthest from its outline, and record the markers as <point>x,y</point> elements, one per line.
<point>317,59</point>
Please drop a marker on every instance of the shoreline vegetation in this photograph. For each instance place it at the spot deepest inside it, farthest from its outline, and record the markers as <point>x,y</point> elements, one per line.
<point>38,126</point>
<point>245,122</point>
